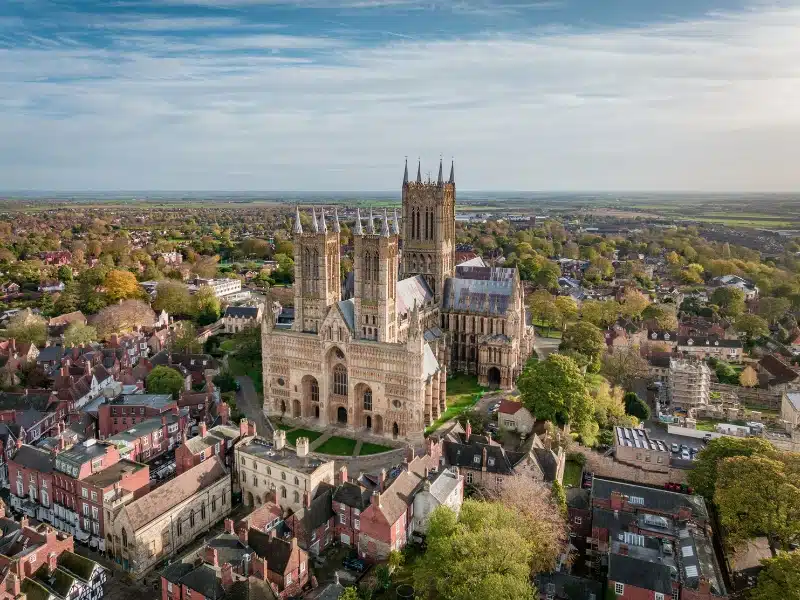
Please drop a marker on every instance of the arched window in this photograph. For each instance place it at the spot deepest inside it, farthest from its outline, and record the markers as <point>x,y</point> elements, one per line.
<point>376,268</point>
<point>314,391</point>
<point>124,538</point>
<point>191,518</point>
<point>367,267</point>
<point>296,481</point>
<point>283,492</point>
<point>368,399</point>
<point>340,380</point>
<point>203,511</point>
<point>269,471</point>
<point>297,496</point>
<point>283,476</point>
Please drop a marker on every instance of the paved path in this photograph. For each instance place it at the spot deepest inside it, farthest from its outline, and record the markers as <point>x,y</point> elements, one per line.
<point>250,406</point>
<point>544,347</point>
<point>320,440</point>
<point>357,449</point>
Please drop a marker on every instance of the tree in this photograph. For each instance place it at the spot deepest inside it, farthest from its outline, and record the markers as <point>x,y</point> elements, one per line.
<point>624,365</point>
<point>349,593</point>
<point>124,317</point>
<point>27,328</point>
<point>173,297</point>
<point>207,308</point>
<point>633,303</point>
<point>635,406</point>
<point>67,301</point>
<point>748,377</point>
<point>726,373</point>
<point>600,313</point>
<point>555,390</point>
<point>586,339</point>
<point>663,315</point>
<point>703,478</point>
<point>65,273</point>
<point>567,308</point>
<point>730,301</point>
<point>772,309</point>
<point>120,285</point>
<point>543,308</point>
<point>480,554</point>
<point>165,380</point>
<point>46,305</point>
<point>184,338</point>
<point>751,326</point>
<point>78,334</point>
<point>759,495</point>
<point>560,497</point>
<point>780,578</point>
<point>547,276</point>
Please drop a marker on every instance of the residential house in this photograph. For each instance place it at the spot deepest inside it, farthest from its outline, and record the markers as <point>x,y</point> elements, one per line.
<point>216,441</point>
<point>710,347</point>
<point>118,415</point>
<point>172,258</point>
<point>51,286</point>
<point>67,488</point>
<point>563,586</point>
<point>200,366</point>
<point>790,409</point>
<point>56,258</point>
<point>77,385</point>
<point>32,414</point>
<point>151,438</point>
<point>202,406</point>
<point>239,318</point>
<point>134,345</point>
<point>777,375</point>
<point>262,467</point>
<point>49,358</point>
<point>313,525</point>
<point>14,358</point>
<point>513,416</point>
<point>349,500</point>
<point>286,563</point>
<point>157,525</point>
<point>9,288</point>
<point>441,488</point>
<point>748,288</point>
<point>38,562</point>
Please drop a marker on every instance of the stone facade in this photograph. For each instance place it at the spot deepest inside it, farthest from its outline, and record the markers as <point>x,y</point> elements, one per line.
<point>378,362</point>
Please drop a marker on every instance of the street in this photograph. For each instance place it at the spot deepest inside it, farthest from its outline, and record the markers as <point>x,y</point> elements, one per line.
<point>249,403</point>
<point>544,347</point>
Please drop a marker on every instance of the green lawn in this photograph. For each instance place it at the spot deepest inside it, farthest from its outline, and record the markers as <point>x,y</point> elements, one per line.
<point>337,445</point>
<point>283,426</point>
<point>543,330</point>
<point>572,474</point>
<point>291,437</point>
<point>252,370</point>
<point>707,425</point>
<point>228,345</point>
<point>369,448</point>
<point>463,392</point>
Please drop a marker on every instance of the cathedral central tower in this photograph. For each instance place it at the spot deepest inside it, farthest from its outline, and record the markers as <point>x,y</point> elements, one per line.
<point>429,213</point>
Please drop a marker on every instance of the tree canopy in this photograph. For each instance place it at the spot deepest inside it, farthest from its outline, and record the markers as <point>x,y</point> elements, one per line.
<point>27,328</point>
<point>165,380</point>
<point>751,326</point>
<point>78,334</point>
<point>585,339</point>
<point>173,297</point>
<point>120,285</point>
<point>124,317</point>
<point>703,478</point>
<point>663,315</point>
<point>780,578</point>
<point>624,366</point>
<point>555,390</point>
<point>635,406</point>
<point>730,301</point>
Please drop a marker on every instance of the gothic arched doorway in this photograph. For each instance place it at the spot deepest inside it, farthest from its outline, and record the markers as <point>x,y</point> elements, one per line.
<point>283,406</point>
<point>316,411</point>
<point>395,430</point>
<point>341,415</point>
<point>378,424</point>
<point>296,410</point>
<point>249,499</point>
<point>493,377</point>
<point>368,422</point>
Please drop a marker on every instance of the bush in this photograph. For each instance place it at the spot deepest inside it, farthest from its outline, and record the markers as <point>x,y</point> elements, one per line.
<point>636,407</point>
<point>577,457</point>
<point>606,438</point>
<point>225,382</point>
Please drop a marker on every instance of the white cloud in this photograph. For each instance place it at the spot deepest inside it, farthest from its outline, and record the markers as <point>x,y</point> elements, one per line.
<point>705,104</point>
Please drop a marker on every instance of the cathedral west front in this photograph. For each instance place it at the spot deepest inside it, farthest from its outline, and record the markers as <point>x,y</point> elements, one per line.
<point>375,357</point>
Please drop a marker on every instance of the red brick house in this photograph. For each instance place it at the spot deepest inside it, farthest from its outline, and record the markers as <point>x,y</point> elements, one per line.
<point>148,439</point>
<point>349,500</point>
<point>217,441</point>
<point>285,562</point>
<point>120,414</point>
<point>56,258</point>
<point>313,525</point>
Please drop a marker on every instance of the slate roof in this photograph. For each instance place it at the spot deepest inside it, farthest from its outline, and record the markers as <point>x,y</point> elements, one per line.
<point>569,587</point>
<point>205,581</point>
<point>277,551</point>
<point>320,511</point>
<point>156,401</point>
<point>25,401</point>
<point>654,499</point>
<point>642,574</point>
<point>710,341</point>
<point>470,455</point>
<point>35,459</point>
<point>50,354</point>
<point>242,312</point>
<point>578,498</point>
<point>410,289</point>
<point>218,434</point>
<point>352,495</point>
<point>472,262</point>
<point>780,371</point>
<point>157,502</point>
<point>444,484</point>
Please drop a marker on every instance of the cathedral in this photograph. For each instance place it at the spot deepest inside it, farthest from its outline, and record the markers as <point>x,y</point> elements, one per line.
<point>376,359</point>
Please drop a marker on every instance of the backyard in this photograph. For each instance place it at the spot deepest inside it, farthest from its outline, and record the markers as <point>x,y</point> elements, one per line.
<point>463,392</point>
<point>572,474</point>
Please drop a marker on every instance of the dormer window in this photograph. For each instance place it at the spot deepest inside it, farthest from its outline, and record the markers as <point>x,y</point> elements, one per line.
<point>476,459</point>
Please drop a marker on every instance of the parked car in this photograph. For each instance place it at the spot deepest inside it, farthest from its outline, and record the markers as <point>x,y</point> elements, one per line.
<point>706,438</point>
<point>685,455</point>
<point>353,563</point>
<point>676,448</point>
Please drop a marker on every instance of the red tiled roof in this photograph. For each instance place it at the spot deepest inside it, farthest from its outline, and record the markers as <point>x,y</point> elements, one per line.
<point>509,407</point>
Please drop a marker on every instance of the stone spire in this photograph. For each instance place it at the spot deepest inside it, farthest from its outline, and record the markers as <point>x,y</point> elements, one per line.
<point>323,225</point>
<point>396,224</point>
<point>370,223</point>
<point>419,171</point>
<point>358,229</point>
<point>314,222</point>
<point>336,227</point>
<point>405,175</point>
<point>385,225</point>
<point>298,226</point>
<point>440,181</point>
<point>452,172</point>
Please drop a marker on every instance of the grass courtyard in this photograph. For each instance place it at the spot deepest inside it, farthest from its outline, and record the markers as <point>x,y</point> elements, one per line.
<point>463,392</point>
<point>368,448</point>
<point>291,436</point>
<point>340,446</point>
<point>572,474</point>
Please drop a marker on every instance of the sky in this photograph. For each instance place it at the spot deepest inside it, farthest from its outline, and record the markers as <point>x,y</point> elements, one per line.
<point>333,95</point>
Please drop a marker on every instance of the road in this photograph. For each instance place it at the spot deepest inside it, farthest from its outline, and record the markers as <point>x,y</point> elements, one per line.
<point>544,347</point>
<point>250,405</point>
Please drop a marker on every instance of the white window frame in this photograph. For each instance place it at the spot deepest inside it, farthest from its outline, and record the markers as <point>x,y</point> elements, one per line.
<point>619,588</point>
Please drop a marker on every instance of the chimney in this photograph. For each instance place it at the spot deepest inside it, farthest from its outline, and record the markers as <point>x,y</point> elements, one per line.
<point>704,586</point>
<point>484,459</point>
<point>382,479</point>
<point>409,453</point>
<point>302,444</point>
<point>251,428</point>
<point>243,535</point>
<point>279,439</point>
<point>259,568</point>
<point>616,500</point>
<point>229,526</point>
<point>19,442</point>
<point>211,556</point>
<point>468,432</point>
<point>23,522</point>
<point>342,474</point>
<point>163,420</point>
<point>203,429</point>
<point>376,498</point>
<point>243,428</point>
<point>224,412</point>
<point>227,576</point>
<point>13,585</point>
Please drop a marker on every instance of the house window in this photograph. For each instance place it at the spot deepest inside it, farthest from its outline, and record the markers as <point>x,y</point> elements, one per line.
<point>297,481</point>
<point>578,520</point>
<point>283,492</point>
<point>659,596</point>
<point>203,511</point>
<point>216,448</point>
<point>619,588</point>
<point>342,519</point>
<point>297,496</point>
<point>357,524</point>
<point>289,579</point>
<point>303,570</point>
<point>283,476</point>
<point>469,477</point>
<point>85,493</point>
<point>499,480</point>
<point>244,461</point>
<point>476,459</point>
<point>94,496</point>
